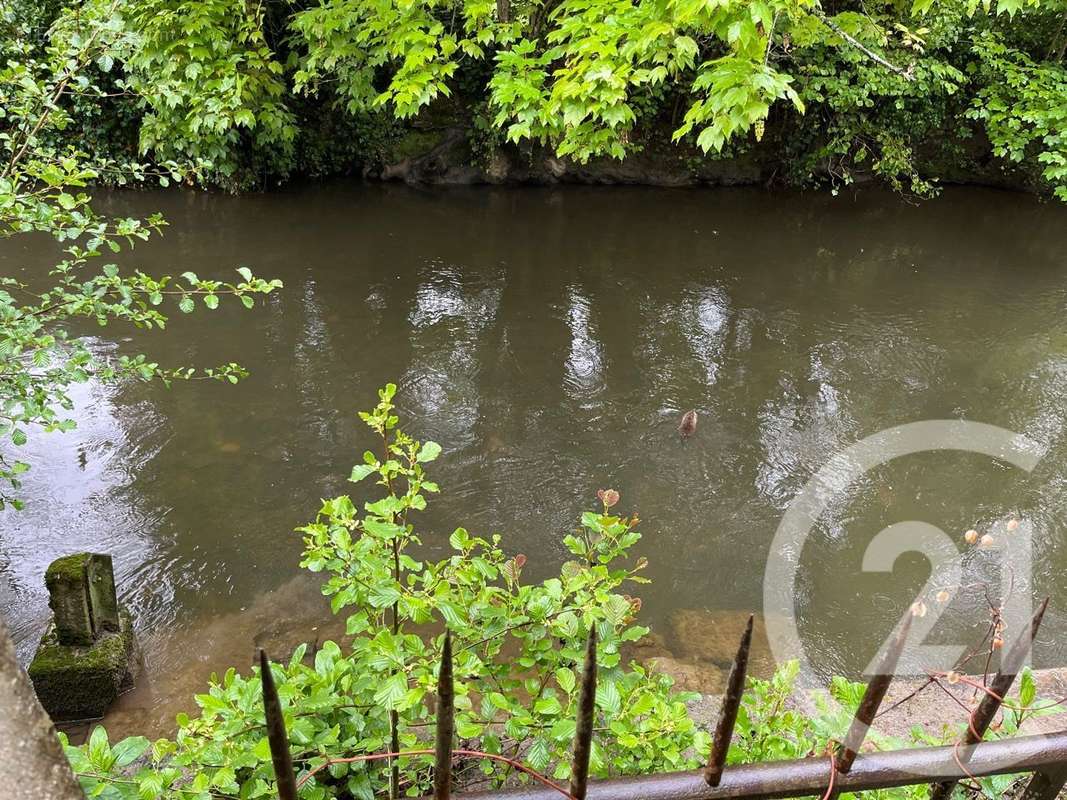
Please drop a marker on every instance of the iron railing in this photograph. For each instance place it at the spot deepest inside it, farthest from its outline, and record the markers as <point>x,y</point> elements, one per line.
<point>846,770</point>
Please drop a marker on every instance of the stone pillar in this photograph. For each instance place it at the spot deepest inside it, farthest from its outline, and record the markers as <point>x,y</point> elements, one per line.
<point>68,596</point>
<point>32,763</point>
<point>83,661</point>
<point>103,601</point>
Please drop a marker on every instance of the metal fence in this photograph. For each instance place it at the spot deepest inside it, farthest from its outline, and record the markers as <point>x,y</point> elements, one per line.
<point>846,770</point>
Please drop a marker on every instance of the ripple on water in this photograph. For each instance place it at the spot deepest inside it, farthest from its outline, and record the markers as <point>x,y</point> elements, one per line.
<point>551,358</point>
<point>80,496</point>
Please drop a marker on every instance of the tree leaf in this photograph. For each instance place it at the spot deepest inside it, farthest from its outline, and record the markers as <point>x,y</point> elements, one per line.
<point>361,471</point>
<point>129,750</point>
<point>428,452</point>
<point>99,750</point>
<point>392,690</point>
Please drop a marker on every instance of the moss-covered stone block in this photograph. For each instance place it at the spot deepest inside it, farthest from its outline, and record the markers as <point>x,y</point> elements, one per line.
<point>81,681</point>
<point>68,596</point>
<point>103,600</point>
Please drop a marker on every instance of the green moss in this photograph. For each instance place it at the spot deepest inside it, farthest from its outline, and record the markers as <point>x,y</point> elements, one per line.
<point>412,144</point>
<point>66,569</point>
<point>81,682</point>
<point>67,582</point>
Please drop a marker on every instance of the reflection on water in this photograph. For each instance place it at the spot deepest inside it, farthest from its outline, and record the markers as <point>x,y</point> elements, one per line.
<point>549,340</point>
<point>83,490</point>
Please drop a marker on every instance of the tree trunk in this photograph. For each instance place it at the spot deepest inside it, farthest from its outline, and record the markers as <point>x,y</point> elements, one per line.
<point>32,763</point>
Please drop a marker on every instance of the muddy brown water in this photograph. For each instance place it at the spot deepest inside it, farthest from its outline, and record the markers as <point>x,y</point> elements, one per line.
<point>550,339</point>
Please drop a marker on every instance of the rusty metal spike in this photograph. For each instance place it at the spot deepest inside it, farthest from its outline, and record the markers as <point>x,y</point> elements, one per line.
<point>731,703</point>
<point>1045,785</point>
<point>583,736</point>
<point>872,698</point>
<point>446,724</point>
<point>394,747</point>
<point>276,736</point>
<point>1010,664</point>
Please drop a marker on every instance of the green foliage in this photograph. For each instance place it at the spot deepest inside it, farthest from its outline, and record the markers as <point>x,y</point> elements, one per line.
<point>518,649</point>
<point>874,120</point>
<point>575,74</point>
<point>44,189</point>
<point>516,644</point>
<point>240,94</point>
<point>769,728</point>
<point>350,41</point>
<point>1024,107</point>
<point>569,77</point>
<point>577,92</point>
<point>98,757</point>
<point>208,82</point>
<point>739,93</point>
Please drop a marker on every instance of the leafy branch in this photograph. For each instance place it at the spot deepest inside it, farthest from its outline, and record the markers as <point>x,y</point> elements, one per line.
<point>42,189</point>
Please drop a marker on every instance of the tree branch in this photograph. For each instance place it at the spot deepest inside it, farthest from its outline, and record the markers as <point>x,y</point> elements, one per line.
<point>903,72</point>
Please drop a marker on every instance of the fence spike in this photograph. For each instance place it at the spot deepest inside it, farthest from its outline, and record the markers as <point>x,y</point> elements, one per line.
<point>446,724</point>
<point>583,737</point>
<point>872,698</point>
<point>1045,784</point>
<point>731,703</point>
<point>1010,664</point>
<point>276,736</point>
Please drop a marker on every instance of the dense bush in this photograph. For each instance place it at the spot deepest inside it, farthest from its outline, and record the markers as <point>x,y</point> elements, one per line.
<point>241,94</point>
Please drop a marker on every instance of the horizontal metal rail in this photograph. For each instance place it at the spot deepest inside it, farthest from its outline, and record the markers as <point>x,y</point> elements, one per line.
<point>810,776</point>
<point>841,770</point>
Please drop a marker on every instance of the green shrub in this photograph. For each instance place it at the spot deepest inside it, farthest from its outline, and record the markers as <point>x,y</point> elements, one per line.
<point>517,649</point>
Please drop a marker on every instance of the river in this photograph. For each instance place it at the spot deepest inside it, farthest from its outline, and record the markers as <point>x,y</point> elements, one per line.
<point>549,340</point>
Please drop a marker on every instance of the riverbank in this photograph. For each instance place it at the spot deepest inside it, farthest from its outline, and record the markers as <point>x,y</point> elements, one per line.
<point>929,709</point>
<point>704,643</point>
<point>694,647</point>
<point>451,154</point>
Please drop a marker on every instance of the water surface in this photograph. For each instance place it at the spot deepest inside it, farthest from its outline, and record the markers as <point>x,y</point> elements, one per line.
<point>550,340</point>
